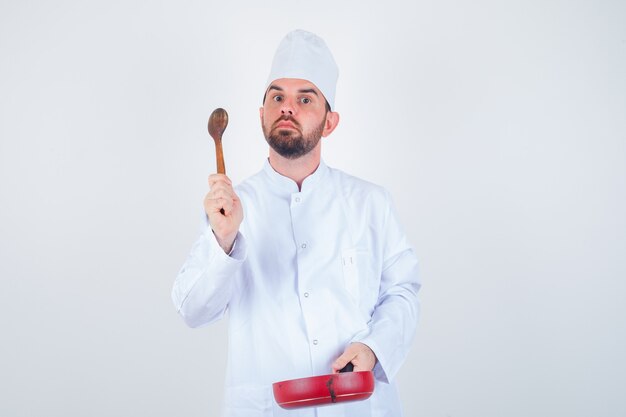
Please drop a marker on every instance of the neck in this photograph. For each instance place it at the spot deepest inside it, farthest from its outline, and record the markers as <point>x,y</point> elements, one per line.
<point>296,169</point>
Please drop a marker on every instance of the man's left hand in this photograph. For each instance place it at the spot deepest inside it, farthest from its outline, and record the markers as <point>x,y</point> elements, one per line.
<point>361,356</point>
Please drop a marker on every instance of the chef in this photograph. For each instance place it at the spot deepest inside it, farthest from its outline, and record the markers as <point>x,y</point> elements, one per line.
<point>310,264</point>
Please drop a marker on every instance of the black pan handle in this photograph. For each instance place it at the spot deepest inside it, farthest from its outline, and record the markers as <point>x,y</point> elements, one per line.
<point>348,368</point>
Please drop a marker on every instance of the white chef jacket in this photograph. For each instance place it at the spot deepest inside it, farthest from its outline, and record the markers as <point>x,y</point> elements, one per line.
<point>312,270</point>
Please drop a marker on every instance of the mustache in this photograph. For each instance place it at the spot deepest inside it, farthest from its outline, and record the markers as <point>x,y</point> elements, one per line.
<point>286,118</point>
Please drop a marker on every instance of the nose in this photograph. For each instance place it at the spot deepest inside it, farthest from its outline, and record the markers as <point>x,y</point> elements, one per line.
<point>287,107</point>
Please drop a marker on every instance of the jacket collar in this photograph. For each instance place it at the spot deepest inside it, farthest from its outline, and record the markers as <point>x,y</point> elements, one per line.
<point>286,185</point>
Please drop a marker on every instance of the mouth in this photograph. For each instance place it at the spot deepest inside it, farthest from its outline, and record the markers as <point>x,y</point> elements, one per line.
<point>286,122</point>
<point>285,125</point>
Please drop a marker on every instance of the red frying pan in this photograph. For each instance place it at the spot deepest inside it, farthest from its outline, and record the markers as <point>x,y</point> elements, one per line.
<point>324,389</point>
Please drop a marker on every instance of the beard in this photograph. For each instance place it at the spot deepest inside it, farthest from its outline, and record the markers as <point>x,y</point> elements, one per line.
<point>290,143</point>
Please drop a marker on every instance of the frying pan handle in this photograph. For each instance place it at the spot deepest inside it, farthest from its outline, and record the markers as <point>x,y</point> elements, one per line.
<point>348,368</point>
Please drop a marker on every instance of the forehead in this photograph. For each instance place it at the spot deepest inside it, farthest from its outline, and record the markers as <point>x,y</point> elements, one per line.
<point>293,85</point>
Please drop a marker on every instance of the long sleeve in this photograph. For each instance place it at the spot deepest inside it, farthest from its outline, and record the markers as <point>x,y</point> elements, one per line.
<point>204,285</point>
<point>394,320</point>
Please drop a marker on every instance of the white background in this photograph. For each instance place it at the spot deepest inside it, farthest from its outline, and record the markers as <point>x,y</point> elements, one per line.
<point>498,126</point>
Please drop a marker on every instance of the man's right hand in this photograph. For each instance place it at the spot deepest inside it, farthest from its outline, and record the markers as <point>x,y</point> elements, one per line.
<point>222,197</point>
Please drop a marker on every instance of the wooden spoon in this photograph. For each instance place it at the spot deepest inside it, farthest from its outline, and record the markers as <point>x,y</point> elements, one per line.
<point>217,124</point>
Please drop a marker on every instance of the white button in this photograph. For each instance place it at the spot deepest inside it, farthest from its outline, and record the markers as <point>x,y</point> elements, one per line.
<point>306,294</point>
<point>315,342</point>
<point>297,199</point>
<point>303,246</point>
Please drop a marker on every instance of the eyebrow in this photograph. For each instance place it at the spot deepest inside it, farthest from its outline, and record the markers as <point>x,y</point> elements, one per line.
<point>273,87</point>
<point>307,90</point>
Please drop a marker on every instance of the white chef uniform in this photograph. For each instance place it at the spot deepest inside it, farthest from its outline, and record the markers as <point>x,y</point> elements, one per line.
<point>311,272</point>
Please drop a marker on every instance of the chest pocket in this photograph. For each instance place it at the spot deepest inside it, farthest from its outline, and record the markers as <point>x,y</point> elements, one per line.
<point>351,273</point>
<point>360,281</point>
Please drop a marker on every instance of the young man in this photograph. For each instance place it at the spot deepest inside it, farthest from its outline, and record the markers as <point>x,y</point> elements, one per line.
<point>310,263</point>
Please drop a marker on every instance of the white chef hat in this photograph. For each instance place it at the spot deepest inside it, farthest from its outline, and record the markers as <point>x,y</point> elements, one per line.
<point>304,55</point>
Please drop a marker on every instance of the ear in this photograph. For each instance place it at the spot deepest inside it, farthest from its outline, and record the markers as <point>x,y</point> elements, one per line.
<point>332,120</point>
<point>261,114</point>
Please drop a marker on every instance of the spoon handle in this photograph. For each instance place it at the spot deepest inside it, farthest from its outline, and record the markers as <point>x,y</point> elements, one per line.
<point>219,156</point>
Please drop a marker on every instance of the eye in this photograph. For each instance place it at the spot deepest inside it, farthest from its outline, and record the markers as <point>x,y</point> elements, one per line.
<point>277,99</point>
<point>305,100</point>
